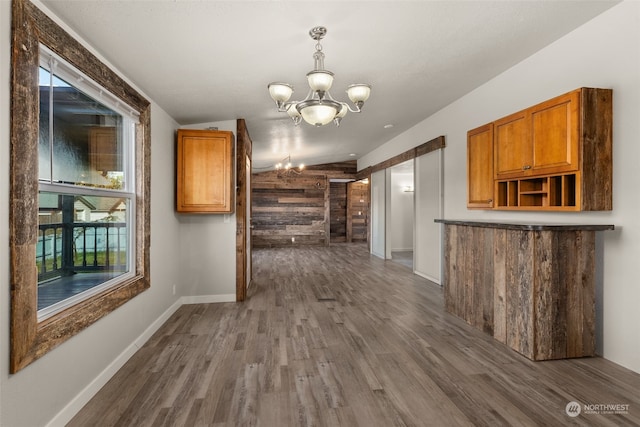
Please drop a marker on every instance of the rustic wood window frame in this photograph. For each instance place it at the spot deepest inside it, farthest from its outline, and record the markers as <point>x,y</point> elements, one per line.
<point>31,339</point>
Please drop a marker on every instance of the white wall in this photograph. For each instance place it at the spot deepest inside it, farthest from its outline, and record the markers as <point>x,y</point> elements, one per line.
<point>34,396</point>
<point>208,247</point>
<point>401,212</point>
<point>604,52</point>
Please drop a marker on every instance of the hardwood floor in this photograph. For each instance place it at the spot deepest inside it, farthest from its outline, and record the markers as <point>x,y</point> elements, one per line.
<point>336,337</point>
<point>403,257</point>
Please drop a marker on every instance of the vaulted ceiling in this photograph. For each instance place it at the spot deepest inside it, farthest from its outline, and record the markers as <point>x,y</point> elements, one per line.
<point>205,61</point>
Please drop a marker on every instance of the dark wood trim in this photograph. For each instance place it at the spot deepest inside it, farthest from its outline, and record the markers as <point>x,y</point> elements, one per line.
<point>62,43</point>
<point>29,339</point>
<point>327,212</point>
<point>596,122</point>
<point>429,146</point>
<point>364,174</point>
<point>412,153</point>
<point>395,160</point>
<point>244,149</point>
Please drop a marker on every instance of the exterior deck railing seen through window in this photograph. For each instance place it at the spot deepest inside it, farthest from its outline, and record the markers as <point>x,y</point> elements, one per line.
<point>66,249</point>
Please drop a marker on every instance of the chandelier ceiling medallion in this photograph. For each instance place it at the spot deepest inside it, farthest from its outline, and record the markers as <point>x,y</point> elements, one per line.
<point>318,108</point>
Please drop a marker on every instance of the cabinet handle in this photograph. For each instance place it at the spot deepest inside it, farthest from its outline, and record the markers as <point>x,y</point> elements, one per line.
<point>526,167</point>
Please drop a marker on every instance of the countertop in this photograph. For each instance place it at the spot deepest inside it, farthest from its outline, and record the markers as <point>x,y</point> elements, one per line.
<point>527,226</point>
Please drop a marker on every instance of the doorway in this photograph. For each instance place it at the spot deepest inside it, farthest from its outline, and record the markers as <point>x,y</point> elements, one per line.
<point>348,210</point>
<point>400,220</point>
<point>337,211</point>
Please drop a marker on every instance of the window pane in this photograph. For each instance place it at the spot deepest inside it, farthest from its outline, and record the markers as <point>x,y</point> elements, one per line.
<point>87,137</point>
<point>82,243</point>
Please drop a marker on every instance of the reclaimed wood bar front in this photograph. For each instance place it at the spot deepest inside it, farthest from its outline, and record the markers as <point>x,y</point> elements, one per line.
<point>530,286</point>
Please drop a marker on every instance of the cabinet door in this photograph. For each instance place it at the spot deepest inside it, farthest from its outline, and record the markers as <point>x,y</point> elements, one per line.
<point>205,171</point>
<point>513,152</point>
<point>555,132</point>
<point>480,167</point>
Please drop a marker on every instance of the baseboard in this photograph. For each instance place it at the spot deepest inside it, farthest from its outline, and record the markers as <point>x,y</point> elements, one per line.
<point>208,299</point>
<point>73,407</point>
<point>430,278</point>
<point>402,250</point>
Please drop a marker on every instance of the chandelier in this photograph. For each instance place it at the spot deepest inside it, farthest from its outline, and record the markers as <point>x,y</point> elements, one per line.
<point>285,168</point>
<point>318,108</point>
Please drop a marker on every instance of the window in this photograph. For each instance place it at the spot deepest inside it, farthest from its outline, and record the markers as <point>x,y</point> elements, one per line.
<point>79,205</point>
<point>86,187</point>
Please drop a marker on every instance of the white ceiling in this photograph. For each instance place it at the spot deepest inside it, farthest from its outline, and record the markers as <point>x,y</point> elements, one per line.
<point>205,61</point>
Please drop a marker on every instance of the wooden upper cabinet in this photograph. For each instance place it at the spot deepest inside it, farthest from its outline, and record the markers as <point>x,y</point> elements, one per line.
<point>480,167</point>
<point>556,155</point>
<point>513,152</point>
<point>543,139</point>
<point>205,178</point>
<point>555,134</point>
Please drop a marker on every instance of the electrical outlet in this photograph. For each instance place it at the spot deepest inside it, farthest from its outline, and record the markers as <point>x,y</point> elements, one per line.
<point>293,240</point>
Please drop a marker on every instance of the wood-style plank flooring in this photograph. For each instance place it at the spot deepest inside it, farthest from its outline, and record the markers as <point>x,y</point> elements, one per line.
<point>336,337</point>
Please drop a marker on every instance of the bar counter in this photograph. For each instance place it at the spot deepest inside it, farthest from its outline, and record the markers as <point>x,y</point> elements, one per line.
<point>529,285</point>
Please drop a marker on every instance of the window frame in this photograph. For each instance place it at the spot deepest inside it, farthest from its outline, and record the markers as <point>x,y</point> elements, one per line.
<point>58,67</point>
<point>29,338</point>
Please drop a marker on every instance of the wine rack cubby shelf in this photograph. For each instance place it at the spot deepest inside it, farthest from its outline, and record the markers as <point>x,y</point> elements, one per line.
<point>553,192</point>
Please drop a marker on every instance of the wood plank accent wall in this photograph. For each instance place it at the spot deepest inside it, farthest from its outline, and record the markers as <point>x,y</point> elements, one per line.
<point>533,290</point>
<point>296,206</point>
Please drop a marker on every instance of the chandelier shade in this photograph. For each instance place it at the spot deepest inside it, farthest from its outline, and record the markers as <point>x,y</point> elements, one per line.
<point>358,93</point>
<point>318,108</point>
<point>320,80</point>
<point>319,113</point>
<point>280,92</point>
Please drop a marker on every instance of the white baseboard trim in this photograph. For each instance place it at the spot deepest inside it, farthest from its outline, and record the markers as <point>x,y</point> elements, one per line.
<point>426,276</point>
<point>73,407</point>
<point>402,250</point>
<point>208,299</point>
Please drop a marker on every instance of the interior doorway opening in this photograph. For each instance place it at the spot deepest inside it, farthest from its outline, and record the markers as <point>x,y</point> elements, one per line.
<point>349,210</point>
<point>400,221</point>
